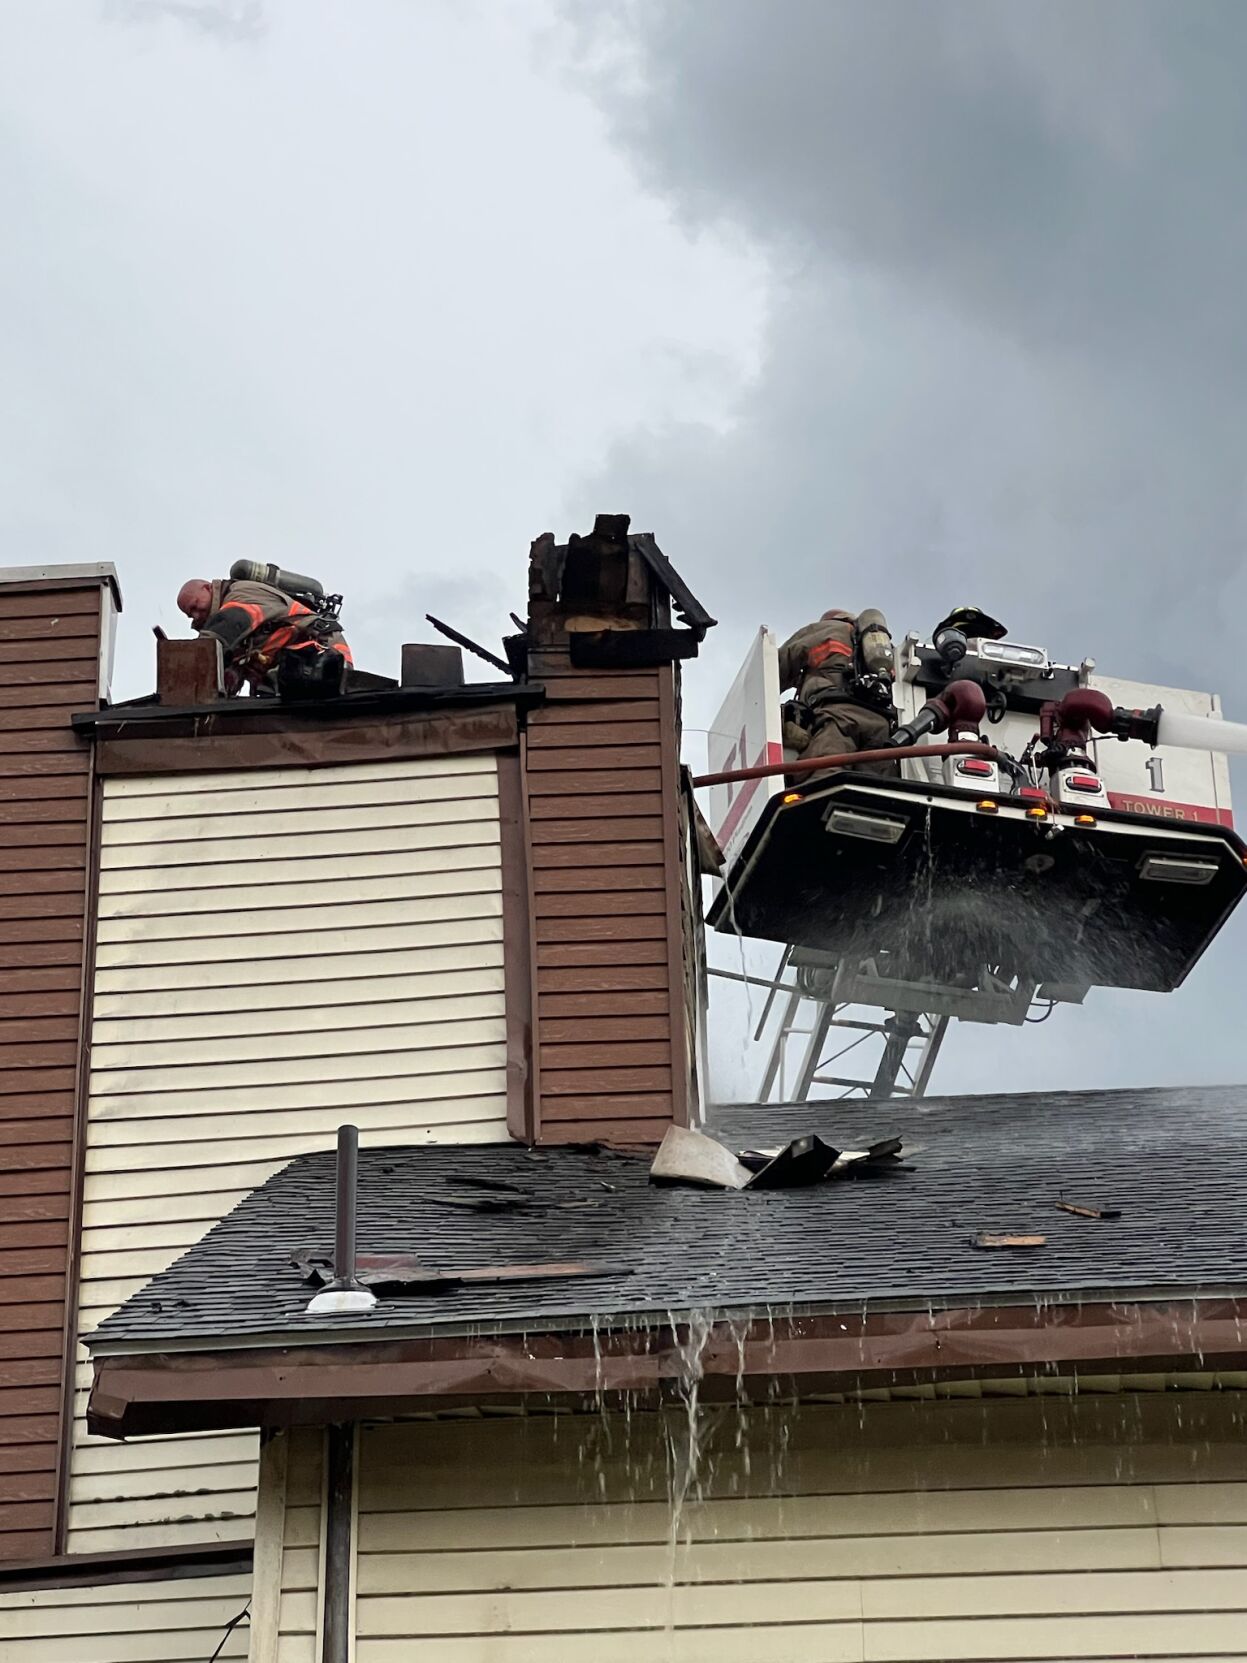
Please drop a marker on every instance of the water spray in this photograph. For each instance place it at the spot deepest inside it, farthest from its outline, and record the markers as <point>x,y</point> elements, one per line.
<point>1202,733</point>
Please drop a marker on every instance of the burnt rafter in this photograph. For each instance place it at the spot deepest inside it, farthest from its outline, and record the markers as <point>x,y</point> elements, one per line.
<point>610,596</point>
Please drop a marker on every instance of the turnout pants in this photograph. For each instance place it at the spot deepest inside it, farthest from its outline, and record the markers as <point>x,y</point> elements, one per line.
<point>850,727</point>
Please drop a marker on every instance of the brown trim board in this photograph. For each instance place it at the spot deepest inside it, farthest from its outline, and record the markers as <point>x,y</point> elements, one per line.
<point>69,1346</point>
<point>673,874</point>
<point>188,1391</point>
<point>85,1570</point>
<point>389,739</point>
<point>517,949</point>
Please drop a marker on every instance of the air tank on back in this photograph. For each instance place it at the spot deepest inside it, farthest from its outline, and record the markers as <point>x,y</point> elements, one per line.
<point>305,589</point>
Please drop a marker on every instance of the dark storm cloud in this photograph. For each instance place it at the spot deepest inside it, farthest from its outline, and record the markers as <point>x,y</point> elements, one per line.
<point>1009,347</point>
<point>1007,360</point>
<point>1070,172</point>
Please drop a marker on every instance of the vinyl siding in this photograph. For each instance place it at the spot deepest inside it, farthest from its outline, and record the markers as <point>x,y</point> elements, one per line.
<point>126,1622</point>
<point>49,668</point>
<point>277,952</point>
<point>891,1533</point>
<point>601,799</point>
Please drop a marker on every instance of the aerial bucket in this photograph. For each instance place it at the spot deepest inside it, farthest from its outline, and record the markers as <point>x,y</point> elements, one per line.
<point>941,885</point>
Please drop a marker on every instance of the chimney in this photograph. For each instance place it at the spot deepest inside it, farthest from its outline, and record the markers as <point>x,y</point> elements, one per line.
<point>56,647</point>
<point>614,897</point>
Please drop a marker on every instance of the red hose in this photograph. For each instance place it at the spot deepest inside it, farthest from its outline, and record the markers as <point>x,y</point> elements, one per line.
<point>892,753</point>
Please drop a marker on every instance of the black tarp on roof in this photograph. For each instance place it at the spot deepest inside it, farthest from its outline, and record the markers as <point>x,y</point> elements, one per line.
<point>1173,1162</point>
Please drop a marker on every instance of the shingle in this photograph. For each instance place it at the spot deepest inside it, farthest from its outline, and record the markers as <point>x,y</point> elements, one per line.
<point>1174,1162</point>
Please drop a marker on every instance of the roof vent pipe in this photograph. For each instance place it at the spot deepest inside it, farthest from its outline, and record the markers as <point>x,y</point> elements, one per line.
<point>344,1295</point>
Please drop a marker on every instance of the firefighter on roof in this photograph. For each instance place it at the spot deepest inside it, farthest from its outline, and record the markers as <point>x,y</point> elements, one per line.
<point>842,667</point>
<point>270,637</point>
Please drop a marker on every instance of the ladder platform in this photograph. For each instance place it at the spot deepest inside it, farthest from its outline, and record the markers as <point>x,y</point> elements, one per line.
<point>853,865</point>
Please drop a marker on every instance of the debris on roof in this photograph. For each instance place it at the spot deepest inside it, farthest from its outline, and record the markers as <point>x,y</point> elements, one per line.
<point>806,1160</point>
<point>796,1164</point>
<point>688,1157</point>
<point>398,1273</point>
<point>988,1240</point>
<point>487,1203</point>
<point>1089,1212</point>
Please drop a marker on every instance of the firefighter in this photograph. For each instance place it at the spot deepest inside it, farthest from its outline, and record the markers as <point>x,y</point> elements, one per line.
<point>269,639</point>
<point>842,668</point>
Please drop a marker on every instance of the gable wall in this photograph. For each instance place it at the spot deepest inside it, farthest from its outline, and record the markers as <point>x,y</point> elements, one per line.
<point>278,951</point>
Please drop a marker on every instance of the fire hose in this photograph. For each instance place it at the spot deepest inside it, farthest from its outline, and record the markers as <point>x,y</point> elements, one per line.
<point>849,759</point>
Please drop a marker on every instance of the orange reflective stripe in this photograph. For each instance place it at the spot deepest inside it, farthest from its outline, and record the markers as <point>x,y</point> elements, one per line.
<point>255,613</point>
<point>825,650</point>
<point>327,646</point>
<point>298,610</point>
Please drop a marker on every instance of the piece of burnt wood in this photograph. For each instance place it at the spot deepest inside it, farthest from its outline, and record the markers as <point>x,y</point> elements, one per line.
<point>189,672</point>
<point>630,649</point>
<point>1088,1212</point>
<point>545,569</point>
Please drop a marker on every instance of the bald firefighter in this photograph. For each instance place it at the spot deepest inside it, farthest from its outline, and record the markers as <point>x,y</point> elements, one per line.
<point>842,668</point>
<point>270,639</point>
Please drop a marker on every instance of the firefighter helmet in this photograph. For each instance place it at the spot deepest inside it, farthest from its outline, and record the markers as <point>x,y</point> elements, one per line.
<point>973,624</point>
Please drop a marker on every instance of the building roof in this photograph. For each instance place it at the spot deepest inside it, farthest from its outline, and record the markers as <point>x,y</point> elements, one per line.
<point>143,716</point>
<point>1172,1162</point>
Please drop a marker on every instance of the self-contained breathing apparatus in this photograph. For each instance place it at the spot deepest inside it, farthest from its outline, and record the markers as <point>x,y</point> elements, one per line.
<point>868,682</point>
<point>327,608</point>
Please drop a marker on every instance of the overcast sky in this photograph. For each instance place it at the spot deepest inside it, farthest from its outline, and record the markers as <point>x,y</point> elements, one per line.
<point>852,302</point>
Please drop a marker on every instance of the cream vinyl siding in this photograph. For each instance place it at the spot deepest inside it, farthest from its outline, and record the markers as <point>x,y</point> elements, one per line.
<point>126,1622</point>
<point>892,1532</point>
<point>278,951</point>
<point>286,1611</point>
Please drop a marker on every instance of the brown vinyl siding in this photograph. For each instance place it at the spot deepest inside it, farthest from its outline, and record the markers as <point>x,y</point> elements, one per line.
<point>601,787</point>
<point>49,668</point>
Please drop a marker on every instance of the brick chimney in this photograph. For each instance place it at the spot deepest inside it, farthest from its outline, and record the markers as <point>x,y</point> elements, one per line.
<point>56,644</point>
<point>614,899</point>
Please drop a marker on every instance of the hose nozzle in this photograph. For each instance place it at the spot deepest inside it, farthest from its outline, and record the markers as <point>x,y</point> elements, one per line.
<point>1070,722</point>
<point>962,704</point>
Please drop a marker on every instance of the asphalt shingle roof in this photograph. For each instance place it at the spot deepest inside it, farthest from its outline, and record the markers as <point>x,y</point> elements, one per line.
<point>1174,1162</point>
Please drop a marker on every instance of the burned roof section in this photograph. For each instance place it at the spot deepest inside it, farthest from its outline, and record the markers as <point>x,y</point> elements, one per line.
<point>1170,1164</point>
<point>609,597</point>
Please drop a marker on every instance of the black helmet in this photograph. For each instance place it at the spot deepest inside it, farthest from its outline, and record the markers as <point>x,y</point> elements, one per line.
<point>973,624</point>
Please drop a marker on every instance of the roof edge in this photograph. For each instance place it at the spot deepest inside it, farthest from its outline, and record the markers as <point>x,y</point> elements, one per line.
<point>63,576</point>
<point>163,1393</point>
<point>142,718</point>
